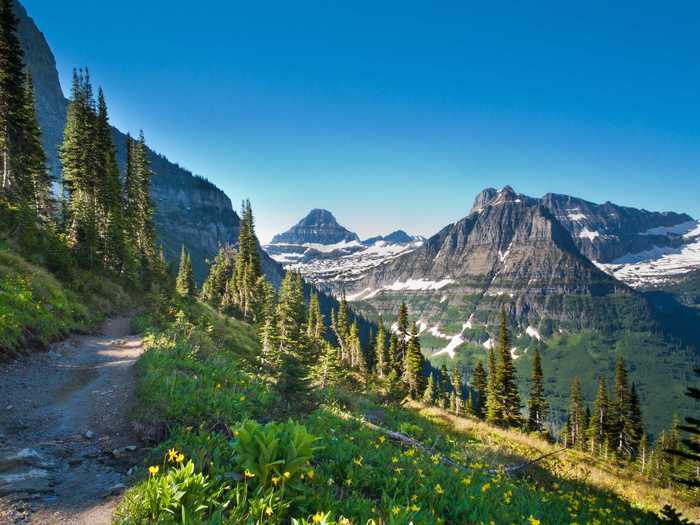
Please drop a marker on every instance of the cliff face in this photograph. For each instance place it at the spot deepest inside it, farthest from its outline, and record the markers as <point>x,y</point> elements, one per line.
<point>318,227</point>
<point>188,209</point>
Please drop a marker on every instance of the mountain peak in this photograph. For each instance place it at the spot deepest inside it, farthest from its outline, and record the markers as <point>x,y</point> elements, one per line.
<point>319,226</point>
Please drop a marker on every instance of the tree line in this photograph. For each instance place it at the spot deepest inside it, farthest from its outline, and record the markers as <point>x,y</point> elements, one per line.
<point>99,219</point>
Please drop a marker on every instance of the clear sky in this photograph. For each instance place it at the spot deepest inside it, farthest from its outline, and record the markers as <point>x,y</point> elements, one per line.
<point>395,114</point>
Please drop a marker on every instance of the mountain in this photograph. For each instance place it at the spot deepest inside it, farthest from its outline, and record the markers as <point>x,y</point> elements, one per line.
<point>513,250</point>
<point>318,227</point>
<point>188,209</point>
<point>396,237</point>
<point>327,254</point>
<point>642,248</point>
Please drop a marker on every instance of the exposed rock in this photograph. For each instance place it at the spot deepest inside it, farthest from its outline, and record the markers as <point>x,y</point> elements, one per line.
<point>318,227</point>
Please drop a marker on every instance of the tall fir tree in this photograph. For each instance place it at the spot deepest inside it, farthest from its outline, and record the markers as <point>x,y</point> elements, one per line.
<point>506,392</point>
<point>414,365</point>
<point>493,410</point>
<point>576,422</point>
<point>443,387</point>
<point>184,284</point>
<point>599,428</point>
<point>402,332</point>
<point>429,396</point>
<point>456,400</point>
<point>220,273</point>
<point>538,408</point>
<point>380,353</point>
<point>687,448</point>
<point>293,381</point>
<point>33,158</point>
<point>480,389</point>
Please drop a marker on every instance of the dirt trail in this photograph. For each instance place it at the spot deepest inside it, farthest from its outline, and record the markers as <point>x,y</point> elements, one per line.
<point>66,443</point>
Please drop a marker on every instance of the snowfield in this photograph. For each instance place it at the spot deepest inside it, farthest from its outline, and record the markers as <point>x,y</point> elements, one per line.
<point>660,265</point>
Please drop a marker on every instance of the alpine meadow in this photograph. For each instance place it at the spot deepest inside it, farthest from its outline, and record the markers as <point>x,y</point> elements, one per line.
<point>489,328</point>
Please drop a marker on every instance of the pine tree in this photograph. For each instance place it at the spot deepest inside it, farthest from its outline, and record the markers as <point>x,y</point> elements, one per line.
<point>507,397</point>
<point>220,273</point>
<point>294,351</point>
<point>443,390</point>
<point>341,329</point>
<point>315,322</point>
<point>621,425</point>
<point>480,387</point>
<point>635,428</point>
<point>402,332</point>
<point>328,371</point>
<point>15,180</point>
<point>599,427</point>
<point>395,363</point>
<point>33,157</point>
<point>456,396</point>
<point>184,283</point>
<point>538,408</point>
<point>429,393</point>
<point>494,410</point>
<point>380,356</point>
<point>77,154</point>
<point>577,416</point>
<point>414,365</point>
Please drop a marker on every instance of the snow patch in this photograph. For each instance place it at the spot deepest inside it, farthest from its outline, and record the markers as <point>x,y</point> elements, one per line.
<point>575,214</point>
<point>532,332</point>
<point>679,229</point>
<point>588,234</point>
<point>418,284</point>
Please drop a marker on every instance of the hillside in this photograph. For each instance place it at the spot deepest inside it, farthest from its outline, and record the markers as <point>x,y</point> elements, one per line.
<point>362,459</point>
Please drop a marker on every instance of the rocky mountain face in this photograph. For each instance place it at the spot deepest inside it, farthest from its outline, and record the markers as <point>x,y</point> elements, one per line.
<point>188,209</point>
<point>639,247</point>
<point>326,253</point>
<point>318,227</point>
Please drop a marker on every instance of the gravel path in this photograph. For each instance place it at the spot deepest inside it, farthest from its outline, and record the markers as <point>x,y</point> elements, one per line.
<point>66,442</point>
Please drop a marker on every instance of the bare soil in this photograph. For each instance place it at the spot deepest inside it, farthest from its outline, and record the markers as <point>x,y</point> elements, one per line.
<point>67,445</point>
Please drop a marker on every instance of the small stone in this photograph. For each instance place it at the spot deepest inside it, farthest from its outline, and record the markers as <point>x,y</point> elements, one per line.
<point>74,462</point>
<point>9,407</point>
<point>130,448</point>
<point>89,434</point>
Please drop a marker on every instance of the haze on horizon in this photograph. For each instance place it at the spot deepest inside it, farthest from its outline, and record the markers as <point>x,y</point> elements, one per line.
<point>393,115</point>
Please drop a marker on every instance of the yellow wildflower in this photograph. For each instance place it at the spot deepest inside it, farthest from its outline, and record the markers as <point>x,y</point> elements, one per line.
<point>287,474</point>
<point>486,487</point>
<point>344,521</point>
<point>435,458</point>
<point>311,474</point>
<point>394,459</point>
<point>153,470</point>
<point>358,461</point>
<point>348,482</point>
<point>439,489</point>
<point>396,510</point>
<point>275,480</point>
<point>317,518</point>
<point>466,481</point>
<point>268,511</point>
<point>180,458</point>
<point>415,508</point>
<point>382,439</point>
<point>242,398</point>
<point>172,454</point>
<point>248,474</point>
<point>533,521</point>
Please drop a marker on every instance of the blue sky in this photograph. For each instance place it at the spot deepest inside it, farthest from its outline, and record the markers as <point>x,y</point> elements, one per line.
<point>395,114</point>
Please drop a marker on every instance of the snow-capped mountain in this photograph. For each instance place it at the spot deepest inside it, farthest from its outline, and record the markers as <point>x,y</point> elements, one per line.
<point>328,254</point>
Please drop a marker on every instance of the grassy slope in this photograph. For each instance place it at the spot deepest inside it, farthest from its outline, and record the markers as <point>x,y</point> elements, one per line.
<point>198,377</point>
<point>36,308</point>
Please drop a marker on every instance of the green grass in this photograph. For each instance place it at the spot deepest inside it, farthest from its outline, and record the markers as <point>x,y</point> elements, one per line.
<point>200,378</point>
<point>36,308</point>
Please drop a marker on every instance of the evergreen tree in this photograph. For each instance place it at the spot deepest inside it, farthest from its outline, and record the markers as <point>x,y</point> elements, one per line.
<point>621,427</point>
<point>635,428</point>
<point>269,336</point>
<point>328,371</point>
<point>294,351</point>
<point>220,273</point>
<point>380,356</point>
<point>494,410</point>
<point>341,329</point>
<point>402,332</point>
<point>443,390</point>
<point>395,363</point>
<point>506,392</point>
<point>184,283</point>
<point>599,427</point>
<point>33,160</point>
<point>456,396</point>
<point>429,393</point>
<point>414,365</point>
<point>538,408</point>
<point>314,321</point>
<point>480,388</point>
<point>15,180</point>
<point>577,416</point>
